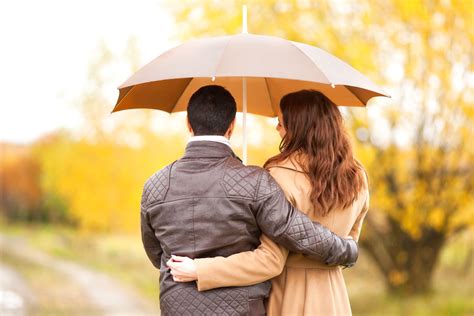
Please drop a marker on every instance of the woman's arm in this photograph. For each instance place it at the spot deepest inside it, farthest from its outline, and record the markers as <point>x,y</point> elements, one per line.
<point>356,228</point>
<point>240,269</point>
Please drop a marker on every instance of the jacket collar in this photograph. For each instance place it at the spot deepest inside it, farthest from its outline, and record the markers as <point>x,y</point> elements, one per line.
<point>213,138</point>
<point>208,149</point>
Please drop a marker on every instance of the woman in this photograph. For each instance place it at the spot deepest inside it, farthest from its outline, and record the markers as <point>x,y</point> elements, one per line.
<point>319,175</point>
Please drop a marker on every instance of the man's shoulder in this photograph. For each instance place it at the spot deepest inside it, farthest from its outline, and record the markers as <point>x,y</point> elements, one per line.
<point>156,186</point>
<point>250,182</point>
<point>235,163</point>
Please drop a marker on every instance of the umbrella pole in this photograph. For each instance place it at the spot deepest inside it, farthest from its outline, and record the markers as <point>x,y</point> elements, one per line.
<point>244,94</point>
<point>244,120</point>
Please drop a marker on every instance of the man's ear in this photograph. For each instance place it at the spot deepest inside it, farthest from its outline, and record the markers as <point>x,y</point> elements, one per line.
<point>230,130</point>
<point>190,129</point>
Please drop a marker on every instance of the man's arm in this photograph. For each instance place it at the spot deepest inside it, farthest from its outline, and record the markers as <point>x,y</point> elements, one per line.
<point>154,190</point>
<point>150,243</point>
<point>286,225</point>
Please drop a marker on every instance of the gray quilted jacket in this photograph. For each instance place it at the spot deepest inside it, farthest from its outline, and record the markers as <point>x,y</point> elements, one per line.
<point>209,204</point>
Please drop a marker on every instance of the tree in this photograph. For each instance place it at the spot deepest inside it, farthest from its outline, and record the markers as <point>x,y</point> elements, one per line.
<point>100,169</point>
<point>20,192</point>
<point>415,146</point>
<point>429,176</point>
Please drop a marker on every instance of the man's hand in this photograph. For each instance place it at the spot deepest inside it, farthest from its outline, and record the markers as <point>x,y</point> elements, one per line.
<point>183,269</point>
<point>351,250</point>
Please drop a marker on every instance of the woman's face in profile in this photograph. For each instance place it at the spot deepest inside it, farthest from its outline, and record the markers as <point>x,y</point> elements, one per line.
<point>280,128</point>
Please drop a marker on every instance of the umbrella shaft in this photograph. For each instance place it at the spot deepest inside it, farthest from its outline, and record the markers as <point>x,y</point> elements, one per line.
<point>244,19</point>
<point>244,120</point>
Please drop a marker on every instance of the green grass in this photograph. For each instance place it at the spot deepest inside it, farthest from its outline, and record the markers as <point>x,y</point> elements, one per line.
<point>123,257</point>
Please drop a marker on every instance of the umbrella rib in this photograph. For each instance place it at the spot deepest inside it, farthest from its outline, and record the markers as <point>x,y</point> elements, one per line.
<point>312,62</point>
<point>269,95</point>
<point>181,94</point>
<point>121,100</point>
<point>354,94</point>
<point>222,55</point>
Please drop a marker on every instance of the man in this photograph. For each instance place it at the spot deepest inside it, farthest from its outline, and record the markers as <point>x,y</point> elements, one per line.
<point>209,204</point>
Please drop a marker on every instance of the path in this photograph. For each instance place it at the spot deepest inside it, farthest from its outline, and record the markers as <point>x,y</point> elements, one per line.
<point>109,296</point>
<point>16,297</point>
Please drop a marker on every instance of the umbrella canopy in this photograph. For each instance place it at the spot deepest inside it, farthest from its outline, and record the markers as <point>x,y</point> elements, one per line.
<point>271,66</point>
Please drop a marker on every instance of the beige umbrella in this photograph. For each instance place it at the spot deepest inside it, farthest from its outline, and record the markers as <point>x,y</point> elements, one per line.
<point>258,70</point>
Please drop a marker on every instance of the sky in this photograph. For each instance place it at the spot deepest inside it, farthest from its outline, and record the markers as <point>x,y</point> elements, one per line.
<point>46,49</point>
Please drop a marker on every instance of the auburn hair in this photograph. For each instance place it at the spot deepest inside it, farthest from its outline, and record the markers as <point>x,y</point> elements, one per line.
<point>318,142</point>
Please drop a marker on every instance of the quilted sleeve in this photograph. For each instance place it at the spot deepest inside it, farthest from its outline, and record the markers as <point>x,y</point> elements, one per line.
<point>150,243</point>
<point>286,225</point>
<point>154,190</point>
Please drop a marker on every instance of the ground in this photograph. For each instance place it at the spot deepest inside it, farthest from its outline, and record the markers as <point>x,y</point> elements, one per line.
<point>67,287</point>
<point>48,270</point>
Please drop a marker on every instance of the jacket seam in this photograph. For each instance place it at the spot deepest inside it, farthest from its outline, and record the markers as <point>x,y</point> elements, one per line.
<point>194,233</point>
<point>256,198</point>
<point>194,197</point>
<point>169,179</point>
<point>147,204</point>
<point>271,215</point>
<point>223,176</point>
<point>266,195</point>
<point>227,194</point>
<point>174,290</point>
<point>148,221</point>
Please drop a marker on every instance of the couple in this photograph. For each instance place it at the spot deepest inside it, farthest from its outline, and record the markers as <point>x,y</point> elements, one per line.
<point>233,228</point>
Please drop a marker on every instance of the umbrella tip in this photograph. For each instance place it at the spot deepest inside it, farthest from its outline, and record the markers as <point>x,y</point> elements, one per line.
<point>244,19</point>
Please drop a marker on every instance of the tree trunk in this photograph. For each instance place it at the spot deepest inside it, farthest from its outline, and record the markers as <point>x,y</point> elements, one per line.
<point>407,264</point>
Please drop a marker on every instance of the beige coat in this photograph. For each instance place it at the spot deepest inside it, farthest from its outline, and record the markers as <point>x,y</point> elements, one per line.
<point>299,286</point>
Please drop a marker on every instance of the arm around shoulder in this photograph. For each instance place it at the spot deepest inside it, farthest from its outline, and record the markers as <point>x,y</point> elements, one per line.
<point>294,230</point>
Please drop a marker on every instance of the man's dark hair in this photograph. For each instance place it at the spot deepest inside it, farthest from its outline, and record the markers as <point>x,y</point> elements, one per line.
<point>211,109</point>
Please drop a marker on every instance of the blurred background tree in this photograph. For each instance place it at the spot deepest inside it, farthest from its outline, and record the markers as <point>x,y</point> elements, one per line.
<point>20,189</point>
<point>101,170</point>
<point>416,146</point>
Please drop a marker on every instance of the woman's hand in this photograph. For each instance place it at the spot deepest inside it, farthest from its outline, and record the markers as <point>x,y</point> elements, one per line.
<point>183,269</point>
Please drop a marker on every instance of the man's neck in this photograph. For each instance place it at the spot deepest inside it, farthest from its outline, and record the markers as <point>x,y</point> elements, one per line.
<point>211,138</point>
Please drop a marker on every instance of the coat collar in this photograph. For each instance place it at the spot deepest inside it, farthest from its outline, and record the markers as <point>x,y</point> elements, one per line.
<point>208,149</point>
<point>213,138</point>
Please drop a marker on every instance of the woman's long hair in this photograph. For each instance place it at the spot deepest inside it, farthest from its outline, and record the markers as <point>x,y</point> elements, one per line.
<point>315,133</point>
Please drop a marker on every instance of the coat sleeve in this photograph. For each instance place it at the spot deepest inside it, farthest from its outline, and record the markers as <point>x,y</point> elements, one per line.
<point>242,269</point>
<point>150,242</point>
<point>356,228</point>
<point>289,227</point>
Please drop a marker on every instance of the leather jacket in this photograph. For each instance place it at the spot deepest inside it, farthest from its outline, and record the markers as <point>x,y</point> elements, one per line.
<point>209,204</point>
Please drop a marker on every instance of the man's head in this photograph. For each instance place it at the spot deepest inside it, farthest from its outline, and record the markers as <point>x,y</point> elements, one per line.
<point>211,111</point>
